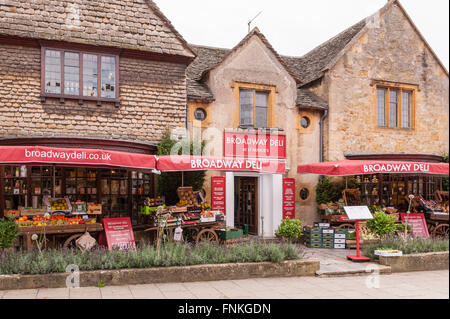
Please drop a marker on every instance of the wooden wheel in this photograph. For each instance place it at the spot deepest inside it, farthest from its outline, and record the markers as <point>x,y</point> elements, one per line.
<point>207,235</point>
<point>346,226</point>
<point>441,231</point>
<point>190,234</point>
<point>70,239</point>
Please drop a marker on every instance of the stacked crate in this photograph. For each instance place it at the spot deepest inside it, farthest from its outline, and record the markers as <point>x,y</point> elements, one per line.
<point>327,238</point>
<point>339,239</point>
<point>313,237</point>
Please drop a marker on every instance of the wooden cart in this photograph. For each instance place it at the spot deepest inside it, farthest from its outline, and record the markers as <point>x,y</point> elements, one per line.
<point>70,232</point>
<point>199,232</point>
<point>438,224</point>
<point>338,221</point>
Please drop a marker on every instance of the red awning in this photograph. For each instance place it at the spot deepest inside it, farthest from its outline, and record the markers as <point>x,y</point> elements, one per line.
<point>230,164</point>
<point>74,157</point>
<point>347,168</point>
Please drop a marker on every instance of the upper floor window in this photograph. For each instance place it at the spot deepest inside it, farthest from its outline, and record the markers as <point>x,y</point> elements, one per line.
<point>80,75</point>
<point>253,108</point>
<point>394,107</point>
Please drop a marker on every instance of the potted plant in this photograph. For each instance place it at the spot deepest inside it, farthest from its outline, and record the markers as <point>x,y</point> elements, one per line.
<point>382,224</point>
<point>289,229</point>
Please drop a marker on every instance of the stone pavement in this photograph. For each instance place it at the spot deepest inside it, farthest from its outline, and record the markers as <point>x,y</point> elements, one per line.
<point>334,262</point>
<point>417,285</point>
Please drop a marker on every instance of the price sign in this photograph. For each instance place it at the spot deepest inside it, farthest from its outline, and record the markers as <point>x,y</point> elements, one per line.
<point>119,233</point>
<point>418,224</point>
<point>289,198</point>
<point>218,188</point>
<point>358,212</point>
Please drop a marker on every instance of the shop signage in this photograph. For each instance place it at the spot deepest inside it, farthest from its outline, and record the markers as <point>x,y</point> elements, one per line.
<point>67,156</point>
<point>203,163</point>
<point>254,144</point>
<point>289,198</point>
<point>218,193</point>
<point>397,168</point>
<point>119,233</point>
<point>418,224</point>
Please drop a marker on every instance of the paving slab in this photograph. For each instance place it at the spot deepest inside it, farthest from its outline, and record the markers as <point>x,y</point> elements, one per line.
<point>56,293</point>
<point>116,292</point>
<point>20,294</point>
<point>85,293</point>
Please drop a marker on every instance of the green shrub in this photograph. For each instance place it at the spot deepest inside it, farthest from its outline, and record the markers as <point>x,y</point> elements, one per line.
<point>382,224</point>
<point>171,254</point>
<point>290,228</point>
<point>8,231</point>
<point>410,246</point>
<point>331,191</point>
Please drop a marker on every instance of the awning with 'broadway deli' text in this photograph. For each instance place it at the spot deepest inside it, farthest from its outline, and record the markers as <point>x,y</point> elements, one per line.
<point>75,157</point>
<point>348,168</point>
<point>201,163</point>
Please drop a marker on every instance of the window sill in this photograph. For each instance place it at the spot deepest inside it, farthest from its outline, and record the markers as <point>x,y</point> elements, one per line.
<point>395,129</point>
<point>80,100</point>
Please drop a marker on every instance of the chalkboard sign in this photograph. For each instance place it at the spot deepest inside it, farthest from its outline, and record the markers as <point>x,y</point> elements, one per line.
<point>418,224</point>
<point>358,212</point>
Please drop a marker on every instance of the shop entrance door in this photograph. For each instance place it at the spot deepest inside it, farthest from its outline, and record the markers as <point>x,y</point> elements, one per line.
<point>246,211</point>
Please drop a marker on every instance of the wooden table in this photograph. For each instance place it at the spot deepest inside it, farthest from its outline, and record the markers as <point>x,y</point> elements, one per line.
<point>74,231</point>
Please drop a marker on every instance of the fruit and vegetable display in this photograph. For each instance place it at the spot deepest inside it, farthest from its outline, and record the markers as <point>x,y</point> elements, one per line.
<point>40,221</point>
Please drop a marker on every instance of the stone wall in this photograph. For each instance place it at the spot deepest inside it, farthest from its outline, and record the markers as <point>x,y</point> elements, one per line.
<point>152,96</point>
<point>390,50</point>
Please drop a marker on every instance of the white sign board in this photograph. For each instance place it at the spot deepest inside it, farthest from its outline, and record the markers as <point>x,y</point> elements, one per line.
<point>358,212</point>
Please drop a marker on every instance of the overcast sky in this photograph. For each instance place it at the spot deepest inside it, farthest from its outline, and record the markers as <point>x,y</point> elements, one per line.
<point>294,27</point>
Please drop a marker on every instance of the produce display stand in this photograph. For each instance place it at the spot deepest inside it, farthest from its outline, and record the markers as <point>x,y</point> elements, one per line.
<point>73,231</point>
<point>201,231</point>
<point>438,224</point>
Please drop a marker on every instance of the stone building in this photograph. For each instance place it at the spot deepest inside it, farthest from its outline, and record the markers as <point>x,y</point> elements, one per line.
<point>376,90</point>
<point>48,88</point>
<point>98,75</point>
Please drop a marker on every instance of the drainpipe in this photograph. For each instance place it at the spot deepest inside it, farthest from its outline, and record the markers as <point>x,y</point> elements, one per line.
<point>322,119</point>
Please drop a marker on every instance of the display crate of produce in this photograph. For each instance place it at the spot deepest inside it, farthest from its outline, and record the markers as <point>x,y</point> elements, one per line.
<point>58,205</point>
<point>24,211</point>
<point>14,212</point>
<point>79,208</point>
<point>313,230</point>
<point>339,236</point>
<point>94,209</point>
<point>339,231</point>
<point>229,234</point>
<point>327,231</point>
<point>187,196</point>
<point>339,246</point>
<point>339,241</point>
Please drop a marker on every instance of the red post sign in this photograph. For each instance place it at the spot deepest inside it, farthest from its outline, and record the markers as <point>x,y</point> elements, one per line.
<point>254,145</point>
<point>119,233</point>
<point>218,192</point>
<point>418,224</point>
<point>289,198</point>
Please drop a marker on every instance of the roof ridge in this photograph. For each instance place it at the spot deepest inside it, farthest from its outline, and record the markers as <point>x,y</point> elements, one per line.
<point>207,47</point>
<point>260,35</point>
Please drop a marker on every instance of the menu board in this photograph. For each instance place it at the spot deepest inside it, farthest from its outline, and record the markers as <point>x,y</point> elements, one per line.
<point>218,191</point>
<point>418,224</point>
<point>358,212</point>
<point>119,233</point>
<point>289,198</point>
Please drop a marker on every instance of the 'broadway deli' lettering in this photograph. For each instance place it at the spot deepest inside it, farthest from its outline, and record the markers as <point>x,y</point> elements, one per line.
<point>237,164</point>
<point>396,168</point>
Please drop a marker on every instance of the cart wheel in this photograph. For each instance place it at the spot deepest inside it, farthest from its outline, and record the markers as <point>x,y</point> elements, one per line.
<point>441,231</point>
<point>208,235</point>
<point>69,242</point>
<point>346,226</point>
